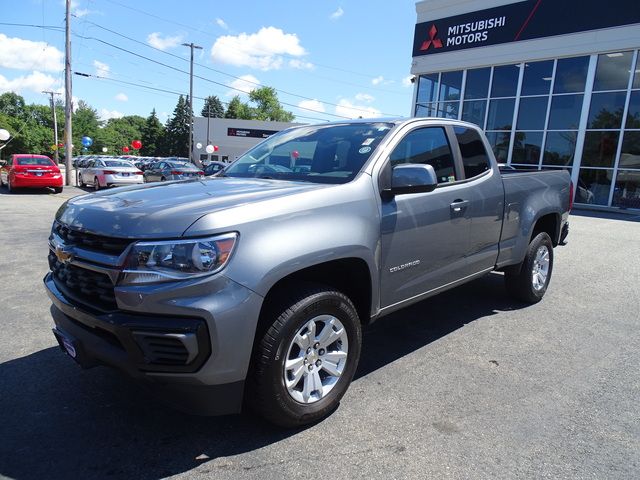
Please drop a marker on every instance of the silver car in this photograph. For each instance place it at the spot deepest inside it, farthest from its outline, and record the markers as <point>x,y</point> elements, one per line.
<point>101,173</point>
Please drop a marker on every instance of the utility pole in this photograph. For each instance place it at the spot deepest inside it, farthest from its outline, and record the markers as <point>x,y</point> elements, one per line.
<point>68,107</point>
<point>191,46</point>
<point>55,124</point>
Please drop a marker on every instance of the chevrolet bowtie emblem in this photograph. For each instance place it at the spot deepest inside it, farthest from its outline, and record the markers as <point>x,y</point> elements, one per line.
<point>63,255</point>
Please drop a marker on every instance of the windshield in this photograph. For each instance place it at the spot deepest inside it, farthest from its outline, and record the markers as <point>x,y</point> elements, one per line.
<point>315,153</point>
<point>117,163</point>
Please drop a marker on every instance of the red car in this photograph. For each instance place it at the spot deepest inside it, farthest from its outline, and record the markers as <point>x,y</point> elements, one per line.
<point>31,171</point>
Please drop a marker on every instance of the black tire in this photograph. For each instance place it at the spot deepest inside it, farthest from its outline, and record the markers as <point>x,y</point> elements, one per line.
<point>80,181</point>
<point>267,393</point>
<point>10,189</point>
<point>162,179</point>
<point>57,189</point>
<point>523,281</point>
<point>96,184</point>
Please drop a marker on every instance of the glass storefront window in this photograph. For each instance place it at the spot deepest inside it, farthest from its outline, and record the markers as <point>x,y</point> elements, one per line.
<point>473,111</point>
<point>559,148</point>
<point>537,78</point>
<point>571,75</point>
<point>450,86</point>
<point>477,84</point>
<point>500,114</point>
<point>593,186</point>
<point>500,144</point>
<point>626,191</point>
<point>565,112</point>
<point>612,71</point>
<point>630,155</point>
<point>633,115</point>
<point>527,147</point>
<point>532,113</point>
<point>428,110</point>
<point>599,149</point>
<point>505,81</point>
<point>636,79</point>
<point>606,110</point>
<point>427,88</point>
<point>448,109</point>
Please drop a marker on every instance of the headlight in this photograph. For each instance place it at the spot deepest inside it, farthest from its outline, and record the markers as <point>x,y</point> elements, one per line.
<point>164,261</point>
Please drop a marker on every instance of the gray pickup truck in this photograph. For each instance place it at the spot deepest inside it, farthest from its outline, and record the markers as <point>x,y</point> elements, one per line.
<point>251,287</point>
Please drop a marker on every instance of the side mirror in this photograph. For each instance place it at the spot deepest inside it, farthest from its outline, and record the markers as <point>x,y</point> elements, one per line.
<point>413,178</point>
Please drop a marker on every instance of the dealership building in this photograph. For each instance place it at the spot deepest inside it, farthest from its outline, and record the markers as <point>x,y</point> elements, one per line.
<point>554,84</point>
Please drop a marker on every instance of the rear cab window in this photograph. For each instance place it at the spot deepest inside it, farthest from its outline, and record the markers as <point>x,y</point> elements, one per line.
<point>474,156</point>
<point>427,145</point>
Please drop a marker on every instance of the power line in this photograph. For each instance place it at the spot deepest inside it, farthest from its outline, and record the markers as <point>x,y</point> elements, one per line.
<point>207,79</point>
<point>303,97</point>
<point>164,90</point>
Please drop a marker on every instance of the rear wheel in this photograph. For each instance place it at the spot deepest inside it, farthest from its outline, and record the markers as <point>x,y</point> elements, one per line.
<point>163,179</point>
<point>529,280</point>
<point>96,184</point>
<point>305,361</point>
<point>10,189</point>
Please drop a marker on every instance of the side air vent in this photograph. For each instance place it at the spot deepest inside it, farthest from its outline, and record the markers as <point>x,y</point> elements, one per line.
<point>167,348</point>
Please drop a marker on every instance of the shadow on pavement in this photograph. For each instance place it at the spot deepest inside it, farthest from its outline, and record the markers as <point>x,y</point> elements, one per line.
<point>62,422</point>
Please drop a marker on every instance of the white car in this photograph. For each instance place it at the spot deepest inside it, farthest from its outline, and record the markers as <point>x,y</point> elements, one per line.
<point>101,173</point>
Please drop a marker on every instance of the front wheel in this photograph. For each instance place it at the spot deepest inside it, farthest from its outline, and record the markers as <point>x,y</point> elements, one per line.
<point>529,280</point>
<point>57,189</point>
<point>305,361</point>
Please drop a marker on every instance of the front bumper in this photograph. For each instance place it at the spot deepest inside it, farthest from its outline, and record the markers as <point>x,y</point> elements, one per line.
<point>206,384</point>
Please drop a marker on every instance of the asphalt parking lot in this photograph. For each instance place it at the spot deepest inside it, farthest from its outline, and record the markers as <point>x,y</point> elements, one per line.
<point>468,385</point>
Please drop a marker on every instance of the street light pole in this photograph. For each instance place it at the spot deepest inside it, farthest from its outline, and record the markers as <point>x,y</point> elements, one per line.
<point>191,46</point>
<point>55,125</point>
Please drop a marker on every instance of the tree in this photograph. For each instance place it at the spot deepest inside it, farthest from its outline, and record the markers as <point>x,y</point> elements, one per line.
<point>152,136</point>
<point>212,107</point>
<point>238,109</point>
<point>85,124</point>
<point>177,130</point>
<point>268,106</point>
<point>119,133</point>
<point>12,104</point>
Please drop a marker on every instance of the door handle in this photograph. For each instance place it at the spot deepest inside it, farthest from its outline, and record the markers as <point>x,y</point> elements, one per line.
<point>458,206</point>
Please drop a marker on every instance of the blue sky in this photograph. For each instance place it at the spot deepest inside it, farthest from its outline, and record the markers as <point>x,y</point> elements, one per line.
<point>336,59</point>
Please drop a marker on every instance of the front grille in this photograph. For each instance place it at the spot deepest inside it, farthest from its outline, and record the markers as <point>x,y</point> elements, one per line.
<point>167,348</point>
<point>90,241</point>
<point>93,289</point>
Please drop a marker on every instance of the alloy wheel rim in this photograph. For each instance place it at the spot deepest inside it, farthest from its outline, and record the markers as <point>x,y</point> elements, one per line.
<point>540,271</point>
<point>316,358</point>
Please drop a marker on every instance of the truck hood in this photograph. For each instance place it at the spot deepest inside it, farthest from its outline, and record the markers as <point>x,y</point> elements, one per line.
<point>163,210</point>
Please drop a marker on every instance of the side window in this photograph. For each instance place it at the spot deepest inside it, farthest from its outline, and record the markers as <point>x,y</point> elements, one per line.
<point>430,146</point>
<point>474,155</point>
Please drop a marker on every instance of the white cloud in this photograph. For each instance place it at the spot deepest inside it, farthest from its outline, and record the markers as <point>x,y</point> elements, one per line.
<point>81,12</point>
<point>155,40</point>
<point>21,54</point>
<point>35,82</point>
<point>222,24</point>
<point>108,114</point>
<point>377,80</point>
<point>245,84</point>
<point>102,69</point>
<point>314,105</point>
<point>347,108</point>
<point>301,64</point>
<point>262,50</point>
<point>337,14</point>
<point>121,97</point>
<point>406,81</point>
<point>364,97</point>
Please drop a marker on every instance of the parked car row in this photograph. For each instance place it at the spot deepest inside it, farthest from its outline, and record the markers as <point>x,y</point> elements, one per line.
<point>30,171</point>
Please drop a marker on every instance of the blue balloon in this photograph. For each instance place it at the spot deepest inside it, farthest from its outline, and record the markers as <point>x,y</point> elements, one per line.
<point>87,141</point>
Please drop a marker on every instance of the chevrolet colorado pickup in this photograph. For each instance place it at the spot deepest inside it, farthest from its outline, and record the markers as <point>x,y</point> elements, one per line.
<point>251,287</point>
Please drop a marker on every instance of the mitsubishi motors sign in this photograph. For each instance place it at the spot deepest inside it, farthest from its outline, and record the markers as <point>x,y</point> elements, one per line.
<point>525,20</point>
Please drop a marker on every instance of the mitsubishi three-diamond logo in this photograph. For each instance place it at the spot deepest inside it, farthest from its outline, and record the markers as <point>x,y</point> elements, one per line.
<point>436,42</point>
